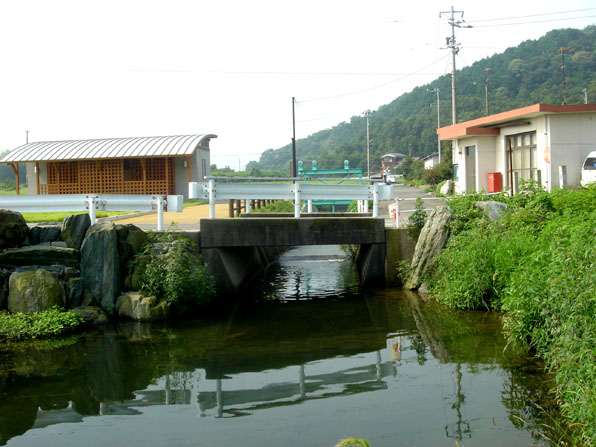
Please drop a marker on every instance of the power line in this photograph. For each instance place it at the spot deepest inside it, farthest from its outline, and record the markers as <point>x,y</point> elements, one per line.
<point>533,15</point>
<point>417,72</point>
<point>535,21</point>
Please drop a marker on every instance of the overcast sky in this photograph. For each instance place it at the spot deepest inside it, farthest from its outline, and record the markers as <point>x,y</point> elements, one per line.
<point>100,69</point>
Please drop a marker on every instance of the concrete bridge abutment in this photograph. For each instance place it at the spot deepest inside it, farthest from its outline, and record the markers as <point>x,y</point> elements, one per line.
<point>237,250</point>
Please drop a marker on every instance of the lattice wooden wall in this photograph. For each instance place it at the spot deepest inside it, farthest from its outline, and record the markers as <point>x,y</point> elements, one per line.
<point>111,177</point>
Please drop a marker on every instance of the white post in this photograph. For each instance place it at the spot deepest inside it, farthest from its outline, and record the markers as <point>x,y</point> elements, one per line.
<point>310,206</point>
<point>247,206</point>
<point>91,204</point>
<point>375,200</point>
<point>366,206</point>
<point>160,204</point>
<point>396,213</point>
<point>296,199</point>
<point>211,198</point>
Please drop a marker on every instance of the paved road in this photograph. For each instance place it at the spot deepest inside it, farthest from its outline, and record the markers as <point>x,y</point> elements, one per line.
<point>190,216</point>
<point>408,204</point>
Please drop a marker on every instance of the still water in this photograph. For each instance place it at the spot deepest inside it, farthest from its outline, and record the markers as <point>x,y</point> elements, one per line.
<point>308,362</point>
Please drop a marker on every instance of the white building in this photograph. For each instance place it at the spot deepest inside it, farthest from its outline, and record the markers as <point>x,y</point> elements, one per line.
<point>543,142</point>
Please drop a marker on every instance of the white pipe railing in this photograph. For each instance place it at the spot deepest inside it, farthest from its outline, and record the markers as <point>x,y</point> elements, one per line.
<point>93,203</point>
<point>292,188</point>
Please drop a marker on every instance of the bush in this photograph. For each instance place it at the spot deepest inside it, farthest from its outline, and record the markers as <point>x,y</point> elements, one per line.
<point>550,305</point>
<point>537,265</point>
<point>417,220</point>
<point>55,321</point>
<point>279,206</point>
<point>475,268</point>
<point>173,272</point>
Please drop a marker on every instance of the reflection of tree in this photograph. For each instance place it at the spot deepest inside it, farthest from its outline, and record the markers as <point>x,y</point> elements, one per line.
<point>417,343</point>
<point>531,403</point>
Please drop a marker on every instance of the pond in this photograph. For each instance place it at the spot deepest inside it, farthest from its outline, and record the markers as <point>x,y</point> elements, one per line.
<point>309,361</point>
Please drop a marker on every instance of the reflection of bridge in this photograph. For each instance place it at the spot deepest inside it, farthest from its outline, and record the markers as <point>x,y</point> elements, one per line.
<point>237,402</point>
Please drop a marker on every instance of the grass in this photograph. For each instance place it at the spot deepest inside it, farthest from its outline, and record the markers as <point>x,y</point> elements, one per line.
<point>536,265</point>
<point>22,326</point>
<point>23,190</point>
<point>59,216</point>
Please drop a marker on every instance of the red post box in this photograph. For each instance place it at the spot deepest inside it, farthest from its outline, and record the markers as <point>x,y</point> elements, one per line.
<point>495,182</point>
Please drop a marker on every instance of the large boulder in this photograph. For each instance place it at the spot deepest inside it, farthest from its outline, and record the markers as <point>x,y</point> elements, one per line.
<point>131,241</point>
<point>92,315</point>
<point>447,188</point>
<point>100,266</point>
<point>13,229</point>
<point>492,209</point>
<point>33,291</point>
<point>4,276</point>
<point>40,255</point>
<point>142,308</point>
<point>431,242</point>
<point>74,292</point>
<point>74,229</point>
<point>40,234</point>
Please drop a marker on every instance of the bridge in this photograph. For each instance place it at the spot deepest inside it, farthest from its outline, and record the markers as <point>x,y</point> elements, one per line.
<point>237,249</point>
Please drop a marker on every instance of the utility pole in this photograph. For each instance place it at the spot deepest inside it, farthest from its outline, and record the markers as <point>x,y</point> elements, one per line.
<point>293,138</point>
<point>437,91</point>
<point>585,95</point>
<point>26,137</point>
<point>563,51</point>
<point>367,114</point>
<point>487,71</point>
<point>451,43</point>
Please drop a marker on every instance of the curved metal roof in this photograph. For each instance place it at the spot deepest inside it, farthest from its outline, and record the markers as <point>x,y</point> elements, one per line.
<point>178,145</point>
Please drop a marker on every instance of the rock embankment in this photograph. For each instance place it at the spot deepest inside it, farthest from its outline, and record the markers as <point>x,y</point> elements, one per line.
<point>75,265</point>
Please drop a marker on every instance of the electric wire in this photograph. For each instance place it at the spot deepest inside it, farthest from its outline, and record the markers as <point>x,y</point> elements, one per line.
<point>371,88</point>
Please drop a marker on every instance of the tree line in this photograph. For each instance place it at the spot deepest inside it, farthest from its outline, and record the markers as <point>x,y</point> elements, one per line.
<point>527,74</point>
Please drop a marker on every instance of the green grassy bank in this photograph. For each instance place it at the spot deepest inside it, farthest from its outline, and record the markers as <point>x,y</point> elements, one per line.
<point>537,264</point>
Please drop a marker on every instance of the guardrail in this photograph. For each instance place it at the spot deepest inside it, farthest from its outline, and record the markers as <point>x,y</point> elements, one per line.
<point>297,190</point>
<point>93,203</point>
<point>395,212</point>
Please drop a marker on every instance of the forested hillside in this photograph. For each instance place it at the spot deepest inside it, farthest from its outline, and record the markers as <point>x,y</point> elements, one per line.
<point>527,74</point>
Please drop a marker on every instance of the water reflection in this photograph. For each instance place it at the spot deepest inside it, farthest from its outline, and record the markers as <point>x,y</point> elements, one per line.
<point>386,366</point>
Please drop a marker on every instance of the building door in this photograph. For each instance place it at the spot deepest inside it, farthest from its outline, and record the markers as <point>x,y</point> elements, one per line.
<point>471,168</point>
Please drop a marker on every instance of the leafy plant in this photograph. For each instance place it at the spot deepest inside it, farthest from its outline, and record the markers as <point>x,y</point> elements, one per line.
<point>174,273</point>
<point>417,220</point>
<point>55,321</point>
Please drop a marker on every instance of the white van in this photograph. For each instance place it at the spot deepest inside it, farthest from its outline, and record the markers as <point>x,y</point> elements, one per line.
<point>589,169</point>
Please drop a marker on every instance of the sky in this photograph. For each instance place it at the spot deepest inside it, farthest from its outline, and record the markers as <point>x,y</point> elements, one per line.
<point>81,69</point>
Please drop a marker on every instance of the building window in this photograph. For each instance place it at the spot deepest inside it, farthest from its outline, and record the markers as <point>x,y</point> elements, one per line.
<point>522,159</point>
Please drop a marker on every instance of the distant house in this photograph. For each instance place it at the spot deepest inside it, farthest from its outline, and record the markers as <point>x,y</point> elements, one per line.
<point>430,161</point>
<point>542,142</point>
<point>392,159</point>
<point>145,165</point>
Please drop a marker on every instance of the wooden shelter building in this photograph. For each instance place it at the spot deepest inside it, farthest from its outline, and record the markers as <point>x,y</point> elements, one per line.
<point>145,165</point>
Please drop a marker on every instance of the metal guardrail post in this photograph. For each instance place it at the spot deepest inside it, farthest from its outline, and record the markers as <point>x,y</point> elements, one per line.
<point>160,204</point>
<point>91,205</point>
<point>375,212</point>
<point>296,199</point>
<point>247,206</point>
<point>310,206</point>
<point>211,199</point>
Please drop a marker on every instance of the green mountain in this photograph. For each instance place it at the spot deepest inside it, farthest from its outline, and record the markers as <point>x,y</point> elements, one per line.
<point>527,74</point>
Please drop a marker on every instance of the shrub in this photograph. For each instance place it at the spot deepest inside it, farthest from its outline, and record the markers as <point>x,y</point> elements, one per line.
<point>417,220</point>
<point>550,305</point>
<point>173,272</point>
<point>475,268</point>
<point>55,321</point>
